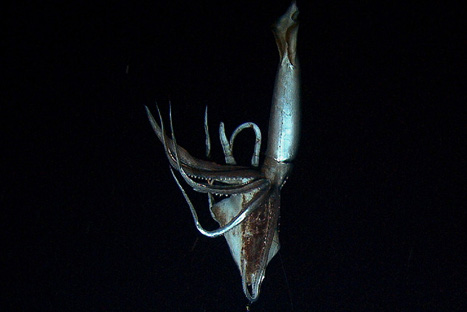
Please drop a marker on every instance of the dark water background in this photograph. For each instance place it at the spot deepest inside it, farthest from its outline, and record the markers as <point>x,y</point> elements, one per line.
<point>372,218</point>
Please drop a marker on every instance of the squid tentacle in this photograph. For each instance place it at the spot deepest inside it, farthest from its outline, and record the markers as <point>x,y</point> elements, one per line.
<point>227,146</point>
<point>196,167</point>
<point>229,158</point>
<point>187,159</point>
<point>260,190</point>
<point>257,148</point>
<point>216,189</point>
<point>206,131</point>
<point>251,206</point>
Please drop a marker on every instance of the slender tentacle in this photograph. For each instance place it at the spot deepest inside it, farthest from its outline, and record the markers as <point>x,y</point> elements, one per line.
<point>206,131</point>
<point>229,158</point>
<point>227,189</point>
<point>251,205</point>
<point>257,148</point>
<point>257,186</point>
<point>196,167</point>
<point>227,146</point>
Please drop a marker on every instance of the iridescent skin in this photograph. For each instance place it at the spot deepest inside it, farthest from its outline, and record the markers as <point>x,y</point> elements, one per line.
<point>248,217</point>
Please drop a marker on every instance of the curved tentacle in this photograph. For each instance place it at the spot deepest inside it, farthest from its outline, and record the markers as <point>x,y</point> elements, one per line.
<point>187,160</point>
<point>216,189</point>
<point>196,167</point>
<point>251,205</point>
<point>227,146</point>
<point>223,189</point>
<point>257,148</point>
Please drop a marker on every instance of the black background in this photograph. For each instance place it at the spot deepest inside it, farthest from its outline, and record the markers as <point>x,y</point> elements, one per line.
<point>371,217</point>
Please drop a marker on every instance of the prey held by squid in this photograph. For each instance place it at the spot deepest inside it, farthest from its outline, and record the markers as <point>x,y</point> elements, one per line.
<point>248,217</point>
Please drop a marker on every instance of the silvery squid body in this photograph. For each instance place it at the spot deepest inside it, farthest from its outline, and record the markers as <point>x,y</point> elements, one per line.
<point>248,215</point>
